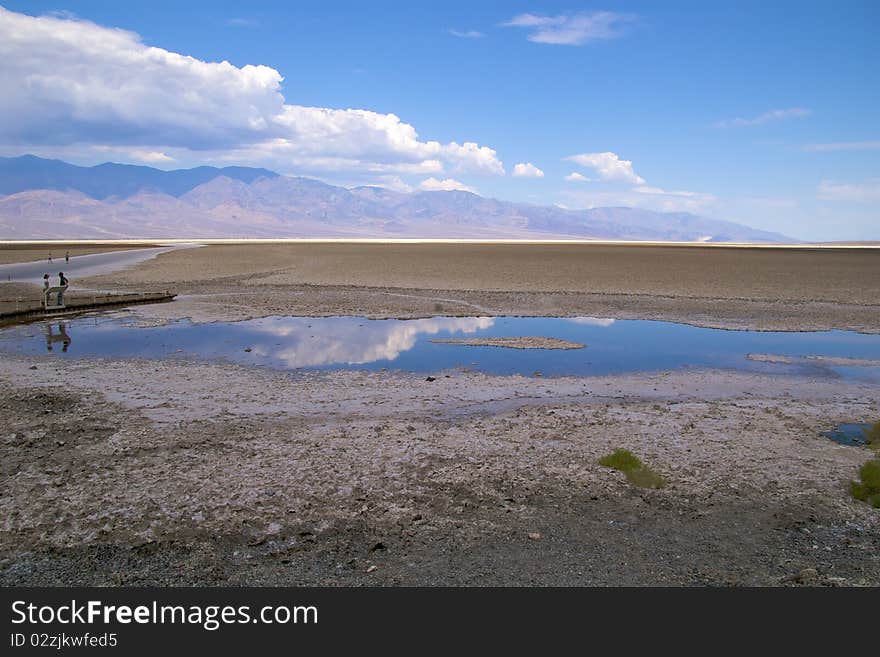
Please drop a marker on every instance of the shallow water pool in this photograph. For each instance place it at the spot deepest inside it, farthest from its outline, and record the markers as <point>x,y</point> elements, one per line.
<point>612,346</point>
<point>854,434</point>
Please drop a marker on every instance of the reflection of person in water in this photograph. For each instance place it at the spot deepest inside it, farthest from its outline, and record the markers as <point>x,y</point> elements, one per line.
<point>61,337</point>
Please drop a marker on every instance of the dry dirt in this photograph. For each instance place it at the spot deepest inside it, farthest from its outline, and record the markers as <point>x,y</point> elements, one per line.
<point>176,472</point>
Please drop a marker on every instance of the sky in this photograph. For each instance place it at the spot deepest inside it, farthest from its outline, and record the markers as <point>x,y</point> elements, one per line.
<point>764,113</point>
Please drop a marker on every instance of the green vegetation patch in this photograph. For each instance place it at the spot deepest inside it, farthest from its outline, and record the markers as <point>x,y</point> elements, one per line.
<point>621,459</point>
<point>872,435</point>
<point>637,473</point>
<point>868,488</point>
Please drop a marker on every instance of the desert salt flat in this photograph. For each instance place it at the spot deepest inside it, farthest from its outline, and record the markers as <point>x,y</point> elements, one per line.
<point>714,286</point>
<point>412,240</point>
<point>289,463</point>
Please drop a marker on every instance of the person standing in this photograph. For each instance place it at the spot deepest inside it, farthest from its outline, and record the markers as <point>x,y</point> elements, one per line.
<point>62,283</point>
<point>67,256</point>
<point>46,289</point>
<point>50,257</point>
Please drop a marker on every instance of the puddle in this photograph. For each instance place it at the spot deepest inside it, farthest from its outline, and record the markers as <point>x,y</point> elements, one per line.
<point>612,346</point>
<point>854,435</point>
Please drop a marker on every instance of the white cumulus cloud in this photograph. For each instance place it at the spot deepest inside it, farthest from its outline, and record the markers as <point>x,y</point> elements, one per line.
<point>657,191</point>
<point>649,198</point>
<point>243,22</point>
<point>766,117</point>
<point>870,145</point>
<point>151,156</point>
<point>609,167</point>
<point>868,191</point>
<point>68,81</point>
<point>527,170</point>
<point>574,176</point>
<point>467,34</point>
<point>448,185</point>
<point>572,29</point>
<point>671,201</point>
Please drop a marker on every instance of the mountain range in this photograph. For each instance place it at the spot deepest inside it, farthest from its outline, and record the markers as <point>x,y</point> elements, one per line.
<point>51,199</point>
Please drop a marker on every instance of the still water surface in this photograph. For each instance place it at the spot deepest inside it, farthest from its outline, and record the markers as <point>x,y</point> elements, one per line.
<point>612,346</point>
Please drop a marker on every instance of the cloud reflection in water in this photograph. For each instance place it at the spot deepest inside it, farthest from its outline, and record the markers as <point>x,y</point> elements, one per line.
<point>306,341</point>
<point>591,321</point>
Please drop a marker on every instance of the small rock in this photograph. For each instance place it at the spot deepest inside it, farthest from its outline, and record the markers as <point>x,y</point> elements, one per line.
<point>808,575</point>
<point>60,443</point>
<point>535,536</point>
<point>430,379</point>
<point>248,349</point>
<point>33,367</point>
<point>372,569</point>
<point>378,546</point>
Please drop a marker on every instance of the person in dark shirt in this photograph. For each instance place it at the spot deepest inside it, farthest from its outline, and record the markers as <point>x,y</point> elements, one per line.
<point>62,282</point>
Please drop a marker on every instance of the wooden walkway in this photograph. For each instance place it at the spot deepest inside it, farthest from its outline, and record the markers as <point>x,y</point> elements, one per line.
<point>22,309</point>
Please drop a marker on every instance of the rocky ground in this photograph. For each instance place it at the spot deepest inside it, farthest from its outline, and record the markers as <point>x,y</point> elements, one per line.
<point>180,472</point>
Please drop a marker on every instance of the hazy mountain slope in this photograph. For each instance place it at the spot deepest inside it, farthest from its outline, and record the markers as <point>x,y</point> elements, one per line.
<point>247,203</point>
<point>48,214</point>
<point>28,172</point>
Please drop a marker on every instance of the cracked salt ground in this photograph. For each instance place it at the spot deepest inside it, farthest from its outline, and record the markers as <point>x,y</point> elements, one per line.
<point>594,346</point>
<point>181,472</point>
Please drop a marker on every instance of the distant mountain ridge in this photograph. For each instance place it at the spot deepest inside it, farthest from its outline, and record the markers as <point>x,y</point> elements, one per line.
<point>29,172</point>
<point>51,199</point>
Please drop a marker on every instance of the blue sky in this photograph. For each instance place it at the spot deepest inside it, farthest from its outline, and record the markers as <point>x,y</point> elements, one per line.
<point>762,113</point>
